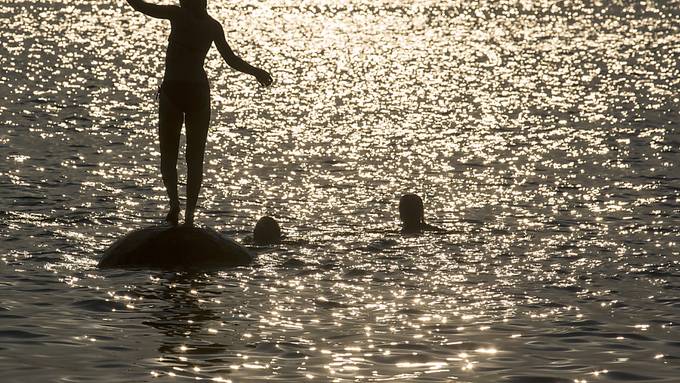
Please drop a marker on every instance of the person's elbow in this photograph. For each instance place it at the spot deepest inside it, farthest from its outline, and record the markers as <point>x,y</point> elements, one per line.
<point>231,59</point>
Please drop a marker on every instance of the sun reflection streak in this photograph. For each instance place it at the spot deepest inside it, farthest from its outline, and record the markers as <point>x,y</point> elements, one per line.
<point>542,134</point>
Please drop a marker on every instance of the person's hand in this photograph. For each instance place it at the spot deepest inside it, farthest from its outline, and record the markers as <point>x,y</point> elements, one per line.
<point>264,78</point>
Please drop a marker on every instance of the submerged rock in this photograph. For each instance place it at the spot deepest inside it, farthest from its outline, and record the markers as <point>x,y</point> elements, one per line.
<point>175,248</point>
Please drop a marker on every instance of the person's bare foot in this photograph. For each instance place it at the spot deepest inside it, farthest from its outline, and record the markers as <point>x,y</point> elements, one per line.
<point>173,216</point>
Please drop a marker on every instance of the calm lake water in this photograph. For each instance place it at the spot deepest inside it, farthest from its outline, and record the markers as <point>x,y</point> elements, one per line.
<point>544,135</point>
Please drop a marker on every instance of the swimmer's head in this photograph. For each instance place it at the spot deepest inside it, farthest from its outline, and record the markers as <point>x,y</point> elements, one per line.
<point>197,7</point>
<point>267,231</point>
<point>411,211</point>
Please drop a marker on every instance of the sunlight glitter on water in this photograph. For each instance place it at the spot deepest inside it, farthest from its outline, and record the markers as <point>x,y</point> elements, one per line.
<point>543,135</point>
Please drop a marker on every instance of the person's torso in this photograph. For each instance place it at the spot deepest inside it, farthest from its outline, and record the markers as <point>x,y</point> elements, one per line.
<point>189,43</point>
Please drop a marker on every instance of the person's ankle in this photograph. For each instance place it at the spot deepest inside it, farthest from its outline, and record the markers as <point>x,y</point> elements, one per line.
<point>189,219</point>
<point>173,217</point>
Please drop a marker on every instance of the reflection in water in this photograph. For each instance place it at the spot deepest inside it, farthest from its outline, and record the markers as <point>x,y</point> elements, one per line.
<point>544,136</point>
<point>179,318</point>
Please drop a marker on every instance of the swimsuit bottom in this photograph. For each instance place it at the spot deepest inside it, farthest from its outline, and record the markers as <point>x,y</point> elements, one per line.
<point>188,97</point>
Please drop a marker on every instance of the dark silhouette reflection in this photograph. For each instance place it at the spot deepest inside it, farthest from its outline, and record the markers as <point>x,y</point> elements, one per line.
<point>183,315</point>
<point>267,232</point>
<point>412,215</point>
<point>184,320</point>
<point>197,331</point>
<point>185,93</point>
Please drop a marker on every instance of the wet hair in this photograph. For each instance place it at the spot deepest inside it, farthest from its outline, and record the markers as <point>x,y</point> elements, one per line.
<point>197,7</point>
<point>411,210</point>
<point>267,231</point>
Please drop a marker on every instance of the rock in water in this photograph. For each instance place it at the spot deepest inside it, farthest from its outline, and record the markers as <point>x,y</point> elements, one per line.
<point>175,248</point>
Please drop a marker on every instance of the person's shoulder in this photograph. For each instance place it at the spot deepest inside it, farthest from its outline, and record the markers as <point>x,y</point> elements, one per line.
<point>213,22</point>
<point>215,26</point>
<point>174,10</point>
<point>171,12</point>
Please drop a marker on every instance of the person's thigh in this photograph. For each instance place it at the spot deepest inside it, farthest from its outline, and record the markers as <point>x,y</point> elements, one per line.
<point>197,123</point>
<point>169,127</point>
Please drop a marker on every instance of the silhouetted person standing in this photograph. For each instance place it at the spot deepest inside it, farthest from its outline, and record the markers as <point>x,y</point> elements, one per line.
<point>185,92</point>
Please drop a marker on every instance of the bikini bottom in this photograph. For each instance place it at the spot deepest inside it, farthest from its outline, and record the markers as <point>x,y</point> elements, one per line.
<point>188,97</point>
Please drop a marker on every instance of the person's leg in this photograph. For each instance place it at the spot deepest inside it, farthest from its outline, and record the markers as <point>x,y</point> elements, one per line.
<point>197,124</point>
<point>170,126</point>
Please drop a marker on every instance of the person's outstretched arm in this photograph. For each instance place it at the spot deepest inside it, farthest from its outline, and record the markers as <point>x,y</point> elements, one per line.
<point>236,62</point>
<point>153,10</point>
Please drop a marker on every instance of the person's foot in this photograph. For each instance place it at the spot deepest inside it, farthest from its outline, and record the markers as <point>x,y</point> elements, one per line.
<point>173,216</point>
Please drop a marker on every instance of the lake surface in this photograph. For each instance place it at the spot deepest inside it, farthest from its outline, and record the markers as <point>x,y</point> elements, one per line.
<point>545,136</point>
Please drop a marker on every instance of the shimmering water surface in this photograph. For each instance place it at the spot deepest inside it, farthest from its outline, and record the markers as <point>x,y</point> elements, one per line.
<point>545,135</point>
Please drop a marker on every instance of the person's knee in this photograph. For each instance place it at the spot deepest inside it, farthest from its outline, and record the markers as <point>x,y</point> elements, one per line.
<point>195,163</point>
<point>195,155</point>
<point>167,165</point>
